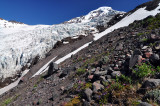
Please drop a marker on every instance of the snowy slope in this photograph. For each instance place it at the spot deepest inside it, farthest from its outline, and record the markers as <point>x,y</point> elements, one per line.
<point>140,14</point>
<point>21,43</point>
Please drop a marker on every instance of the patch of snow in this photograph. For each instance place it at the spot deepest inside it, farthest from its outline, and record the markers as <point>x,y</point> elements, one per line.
<point>12,85</point>
<point>43,68</point>
<point>75,37</point>
<point>65,42</point>
<point>72,53</point>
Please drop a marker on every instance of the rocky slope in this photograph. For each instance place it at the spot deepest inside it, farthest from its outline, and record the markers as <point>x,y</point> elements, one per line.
<point>121,68</point>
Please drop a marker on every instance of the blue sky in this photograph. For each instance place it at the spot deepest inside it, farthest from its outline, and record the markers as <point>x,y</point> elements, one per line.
<point>57,11</point>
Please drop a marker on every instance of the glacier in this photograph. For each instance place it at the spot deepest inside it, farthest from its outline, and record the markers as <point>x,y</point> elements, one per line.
<point>21,43</point>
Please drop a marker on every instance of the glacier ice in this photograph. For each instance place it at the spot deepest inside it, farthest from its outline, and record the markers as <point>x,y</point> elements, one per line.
<point>21,43</point>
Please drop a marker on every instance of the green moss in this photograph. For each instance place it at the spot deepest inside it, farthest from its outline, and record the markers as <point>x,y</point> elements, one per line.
<point>144,40</point>
<point>135,103</point>
<point>35,86</point>
<point>139,34</point>
<point>81,71</point>
<point>7,101</point>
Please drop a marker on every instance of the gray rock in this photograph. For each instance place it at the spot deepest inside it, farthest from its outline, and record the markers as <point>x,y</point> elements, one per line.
<point>110,69</point>
<point>133,60</point>
<point>93,70</point>
<point>108,77</point>
<point>98,69</point>
<point>102,78</point>
<point>97,86</point>
<point>64,73</point>
<point>115,73</point>
<point>54,96</point>
<point>100,73</point>
<point>151,83</point>
<point>144,104</point>
<point>51,69</point>
<point>154,58</point>
<point>85,103</point>
<point>137,52</point>
<point>157,46</point>
<point>109,80</point>
<point>95,96</point>
<point>55,66</point>
<point>119,46</point>
<point>112,65</point>
<point>69,86</point>
<point>88,92</point>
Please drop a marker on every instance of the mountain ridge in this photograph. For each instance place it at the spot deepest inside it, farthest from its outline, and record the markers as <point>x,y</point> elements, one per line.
<point>119,66</point>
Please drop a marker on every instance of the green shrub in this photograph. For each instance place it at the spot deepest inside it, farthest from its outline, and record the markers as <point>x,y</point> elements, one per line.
<point>103,99</point>
<point>139,34</point>
<point>81,86</point>
<point>158,68</point>
<point>144,70</point>
<point>81,71</point>
<point>144,40</point>
<point>125,79</point>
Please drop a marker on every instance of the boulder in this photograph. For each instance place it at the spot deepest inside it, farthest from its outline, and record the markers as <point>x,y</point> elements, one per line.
<point>50,69</point>
<point>88,93</point>
<point>66,71</point>
<point>119,46</point>
<point>151,83</point>
<point>108,77</point>
<point>85,103</point>
<point>103,79</point>
<point>135,58</point>
<point>63,73</point>
<point>100,73</point>
<point>90,77</point>
<point>115,73</point>
<point>93,70</point>
<point>154,58</point>
<point>97,86</point>
<point>55,66</point>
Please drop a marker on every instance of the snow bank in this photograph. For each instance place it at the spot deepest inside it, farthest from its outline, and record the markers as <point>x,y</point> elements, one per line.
<point>12,85</point>
<point>72,53</point>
